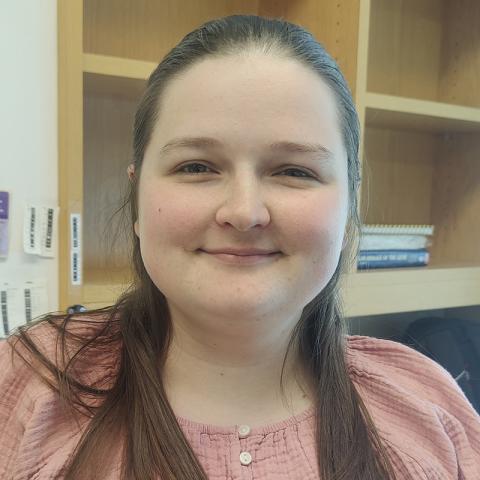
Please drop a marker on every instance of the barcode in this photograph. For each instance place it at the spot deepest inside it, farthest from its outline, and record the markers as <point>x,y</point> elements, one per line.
<point>75,253</point>
<point>75,266</point>
<point>48,242</point>
<point>28,304</point>
<point>3,306</point>
<point>75,232</point>
<point>32,227</point>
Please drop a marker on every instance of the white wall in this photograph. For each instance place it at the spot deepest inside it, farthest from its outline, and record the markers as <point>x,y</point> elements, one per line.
<point>28,128</point>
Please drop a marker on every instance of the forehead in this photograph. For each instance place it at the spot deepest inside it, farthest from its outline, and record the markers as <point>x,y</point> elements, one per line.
<point>247,98</point>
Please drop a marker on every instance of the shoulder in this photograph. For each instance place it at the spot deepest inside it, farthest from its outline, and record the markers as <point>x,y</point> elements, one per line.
<point>376,360</point>
<point>17,359</point>
<point>419,409</point>
<point>31,423</point>
<point>411,390</point>
<point>50,345</point>
<point>12,366</point>
<point>19,388</point>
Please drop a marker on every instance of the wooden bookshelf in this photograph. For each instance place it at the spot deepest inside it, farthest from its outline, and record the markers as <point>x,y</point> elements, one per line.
<point>416,81</point>
<point>415,74</point>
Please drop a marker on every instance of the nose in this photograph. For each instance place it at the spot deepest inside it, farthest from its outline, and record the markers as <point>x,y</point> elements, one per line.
<point>243,205</point>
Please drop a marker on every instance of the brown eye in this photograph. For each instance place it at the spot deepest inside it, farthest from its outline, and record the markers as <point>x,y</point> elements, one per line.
<point>299,173</point>
<point>194,168</point>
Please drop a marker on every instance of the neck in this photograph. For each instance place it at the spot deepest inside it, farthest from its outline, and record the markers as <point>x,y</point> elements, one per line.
<point>210,384</point>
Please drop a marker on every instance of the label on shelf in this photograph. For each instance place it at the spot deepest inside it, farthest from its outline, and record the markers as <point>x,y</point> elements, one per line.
<point>76,249</point>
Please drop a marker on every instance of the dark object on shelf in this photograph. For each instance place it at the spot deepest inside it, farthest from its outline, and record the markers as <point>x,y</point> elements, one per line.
<point>76,308</point>
<point>455,345</point>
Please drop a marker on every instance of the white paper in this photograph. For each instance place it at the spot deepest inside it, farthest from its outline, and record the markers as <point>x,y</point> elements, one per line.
<point>49,232</point>
<point>39,230</point>
<point>20,303</point>
<point>31,230</point>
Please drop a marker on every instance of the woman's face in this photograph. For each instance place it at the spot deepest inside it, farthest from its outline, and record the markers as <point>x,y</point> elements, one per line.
<point>248,186</point>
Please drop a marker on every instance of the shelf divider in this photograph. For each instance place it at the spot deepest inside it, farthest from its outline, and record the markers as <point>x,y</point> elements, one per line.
<point>117,66</point>
<point>424,115</point>
<point>115,77</point>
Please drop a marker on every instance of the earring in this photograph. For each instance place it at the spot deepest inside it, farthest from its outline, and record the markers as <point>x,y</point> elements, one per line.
<point>131,171</point>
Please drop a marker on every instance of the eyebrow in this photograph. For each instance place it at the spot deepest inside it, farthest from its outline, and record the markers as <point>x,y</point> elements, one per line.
<point>321,152</point>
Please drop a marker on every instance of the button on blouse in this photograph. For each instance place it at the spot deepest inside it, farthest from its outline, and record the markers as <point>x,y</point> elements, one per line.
<point>245,458</point>
<point>243,431</point>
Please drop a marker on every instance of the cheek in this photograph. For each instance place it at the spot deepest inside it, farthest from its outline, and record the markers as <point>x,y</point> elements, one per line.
<point>318,239</point>
<point>170,217</point>
<point>317,225</point>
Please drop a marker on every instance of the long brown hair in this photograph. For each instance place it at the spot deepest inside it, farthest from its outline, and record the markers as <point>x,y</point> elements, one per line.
<point>138,325</point>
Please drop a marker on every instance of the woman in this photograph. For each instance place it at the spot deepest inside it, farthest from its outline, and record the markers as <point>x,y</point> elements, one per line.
<point>229,356</point>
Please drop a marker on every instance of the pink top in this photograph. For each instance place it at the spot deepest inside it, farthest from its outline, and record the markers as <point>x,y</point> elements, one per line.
<point>430,429</point>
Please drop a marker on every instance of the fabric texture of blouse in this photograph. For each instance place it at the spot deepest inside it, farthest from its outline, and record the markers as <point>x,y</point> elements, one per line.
<point>429,428</point>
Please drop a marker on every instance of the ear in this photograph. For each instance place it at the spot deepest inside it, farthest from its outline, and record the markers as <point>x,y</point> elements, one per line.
<point>131,171</point>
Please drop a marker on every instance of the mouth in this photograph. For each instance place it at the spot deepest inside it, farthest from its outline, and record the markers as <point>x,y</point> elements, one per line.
<point>237,259</point>
<point>241,251</point>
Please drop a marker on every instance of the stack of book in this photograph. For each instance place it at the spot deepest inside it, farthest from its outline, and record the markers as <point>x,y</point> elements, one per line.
<point>392,246</point>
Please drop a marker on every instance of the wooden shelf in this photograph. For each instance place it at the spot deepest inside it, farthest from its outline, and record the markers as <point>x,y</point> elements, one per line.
<point>117,66</point>
<point>422,115</point>
<point>411,289</point>
<point>115,77</point>
<point>366,293</point>
<point>103,288</point>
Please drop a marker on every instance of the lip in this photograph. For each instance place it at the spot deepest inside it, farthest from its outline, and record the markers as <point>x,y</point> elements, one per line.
<point>232,259</point>
<point>241,251</point>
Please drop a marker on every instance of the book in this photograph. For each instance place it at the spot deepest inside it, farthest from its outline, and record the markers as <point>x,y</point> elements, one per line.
<point>395,237</point>
<point>371,259</point>
<point>394,242</point>
<point>398,229</point>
